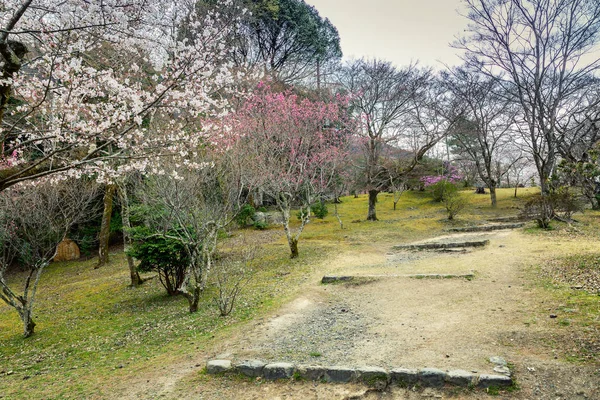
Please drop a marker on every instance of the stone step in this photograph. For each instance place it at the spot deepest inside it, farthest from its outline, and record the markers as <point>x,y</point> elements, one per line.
<point>487,228</point>
<point>436,246</point>
<point>358,278</point>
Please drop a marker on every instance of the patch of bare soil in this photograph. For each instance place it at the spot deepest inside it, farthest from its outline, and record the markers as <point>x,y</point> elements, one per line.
<point>416,323</point>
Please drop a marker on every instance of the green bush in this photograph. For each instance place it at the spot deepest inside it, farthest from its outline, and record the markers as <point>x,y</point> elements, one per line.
<point>260,225</point>
<point>454,203</point>
<point>247,212</point>
<point>319,210</point>
<point>441,189</point>
<point>160,253</point>
<point>561,204</point>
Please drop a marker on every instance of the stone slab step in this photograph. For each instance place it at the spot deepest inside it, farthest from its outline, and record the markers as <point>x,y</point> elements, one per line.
<point>487,228</point>
<point>436,246</point>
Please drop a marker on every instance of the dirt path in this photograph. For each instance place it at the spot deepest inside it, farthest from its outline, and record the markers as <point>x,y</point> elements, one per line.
<point>406,322</point>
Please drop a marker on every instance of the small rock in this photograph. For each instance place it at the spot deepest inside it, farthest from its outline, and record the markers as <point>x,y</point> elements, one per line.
<point>460,378</point>
<point>278,371</point>
<point>312,372</point>
<point>373,376</point>
<point>251,368</point>
<point>432,377</point>
<point>340,374</point>
<point>218,366</point>
<point>498,360</point>
<point>502,370</point>
<point>486,380</point>
<point>404,376</point>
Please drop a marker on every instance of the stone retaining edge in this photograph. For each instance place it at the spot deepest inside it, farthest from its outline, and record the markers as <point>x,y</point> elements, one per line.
<point>429,246</point>
<point>487,228</point>
<point>350,278</point>
<point>372,376</point>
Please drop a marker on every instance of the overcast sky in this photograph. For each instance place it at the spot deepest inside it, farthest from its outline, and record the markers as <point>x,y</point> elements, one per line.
<point>400,31</point>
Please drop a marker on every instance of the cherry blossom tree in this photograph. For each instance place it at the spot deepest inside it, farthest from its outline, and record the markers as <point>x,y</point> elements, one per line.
<point>105,87</point>
<point>293,148</point>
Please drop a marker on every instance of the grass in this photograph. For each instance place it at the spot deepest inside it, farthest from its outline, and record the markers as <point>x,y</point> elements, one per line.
<point>94,333</point>
<point>573,286</point>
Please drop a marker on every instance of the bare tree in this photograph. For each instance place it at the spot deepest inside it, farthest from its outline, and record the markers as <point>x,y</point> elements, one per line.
<point>34,219</point>
<point>385,98</point>
<point>543,52</point>
<point>191,209</point>
<point>486,124</point>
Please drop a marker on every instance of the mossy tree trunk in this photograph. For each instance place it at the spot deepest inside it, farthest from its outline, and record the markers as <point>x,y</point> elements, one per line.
<point>136,280</point>
<point>372,216</point>
<point>104,237</point>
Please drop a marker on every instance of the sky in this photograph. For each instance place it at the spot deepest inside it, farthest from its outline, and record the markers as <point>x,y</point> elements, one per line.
<point>400,31</point>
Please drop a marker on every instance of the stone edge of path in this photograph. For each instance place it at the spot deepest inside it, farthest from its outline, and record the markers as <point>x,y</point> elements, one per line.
<point>487,228</point>
<point>435,246</point>
<point>372,376</point>
<point>327,279</point>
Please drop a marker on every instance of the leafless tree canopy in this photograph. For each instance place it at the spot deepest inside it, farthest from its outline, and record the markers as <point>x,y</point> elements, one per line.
<point>543,51</point>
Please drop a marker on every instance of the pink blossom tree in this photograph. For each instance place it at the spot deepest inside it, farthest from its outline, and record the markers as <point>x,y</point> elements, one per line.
<point>293,148</point>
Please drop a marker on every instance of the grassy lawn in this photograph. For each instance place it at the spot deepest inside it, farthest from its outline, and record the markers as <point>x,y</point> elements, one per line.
<point>93,331</point>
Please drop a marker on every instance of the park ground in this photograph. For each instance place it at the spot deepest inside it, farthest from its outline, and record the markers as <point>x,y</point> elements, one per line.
<point>533,299</point>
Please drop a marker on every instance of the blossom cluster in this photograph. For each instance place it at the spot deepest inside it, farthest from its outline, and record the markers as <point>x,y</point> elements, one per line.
<point>450,175</point>
<point>110,92</point>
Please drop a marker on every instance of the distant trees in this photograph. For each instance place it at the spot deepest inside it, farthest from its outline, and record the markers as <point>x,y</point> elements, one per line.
<point>542,53</point>
<point>288,39</point>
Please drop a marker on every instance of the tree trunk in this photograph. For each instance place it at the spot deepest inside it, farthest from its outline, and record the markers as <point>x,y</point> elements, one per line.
<point>105,227</point>
<point>136,280</point>
<point>372,202</point>
<point>194,299</point>
<point>28,324</point>
<point>493,196</point>
<point>293,248</point>
<point>395,203</point>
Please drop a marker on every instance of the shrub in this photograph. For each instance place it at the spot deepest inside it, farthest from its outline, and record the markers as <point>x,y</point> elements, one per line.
<point>454,203</point>
<point>260,225</point>
<point>441,188</point>
<point>561,204</point>
<point>319,209</point>
<point>247,212</point>
<point>232,274</point>
<point>160,253</point>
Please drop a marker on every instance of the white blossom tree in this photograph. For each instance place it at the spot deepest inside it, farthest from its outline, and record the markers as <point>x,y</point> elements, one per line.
<point>99,87</point>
